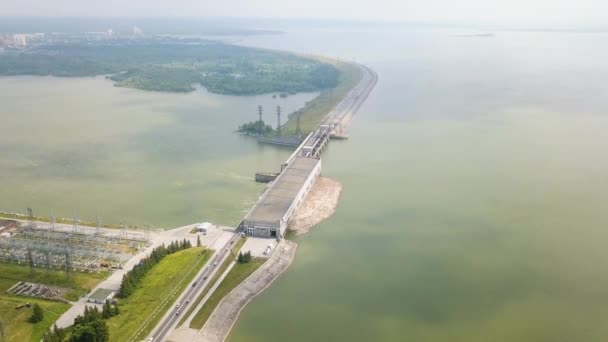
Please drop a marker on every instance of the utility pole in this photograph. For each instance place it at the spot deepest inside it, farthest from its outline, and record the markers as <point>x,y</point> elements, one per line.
<point>98,229</point>
<point>260,111</point>
<point>68,259</point>
<point>279,120</point>
<point>51,222</point>
<point>30,256</point>
<point>75,227</point>
<point>30,218</point>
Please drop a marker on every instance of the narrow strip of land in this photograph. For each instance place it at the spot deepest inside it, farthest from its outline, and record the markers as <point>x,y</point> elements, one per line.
<point>220,322</point>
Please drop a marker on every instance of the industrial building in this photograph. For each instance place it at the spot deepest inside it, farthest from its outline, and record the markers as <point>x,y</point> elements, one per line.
<point>275,209</point>
<point>101,295</point>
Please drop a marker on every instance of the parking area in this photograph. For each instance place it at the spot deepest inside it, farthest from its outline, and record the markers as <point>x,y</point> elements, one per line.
<point>23,288</point>
<point>259,247</point>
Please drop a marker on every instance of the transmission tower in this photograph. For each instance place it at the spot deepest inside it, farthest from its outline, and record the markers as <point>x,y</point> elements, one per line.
<point>123,231</point>
<point>260,111</point>
<point>52,222</point>
<point>2,334</point>
<point>47,258</point>
<point>75,227</point>
<point>98,229</point>
<point>279,120</point>
<point>30,256</point>
<point>30,218</point>
<point>68,259</point>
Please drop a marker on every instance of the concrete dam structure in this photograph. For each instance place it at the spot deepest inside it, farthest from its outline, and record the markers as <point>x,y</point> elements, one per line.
<point>275,209</point>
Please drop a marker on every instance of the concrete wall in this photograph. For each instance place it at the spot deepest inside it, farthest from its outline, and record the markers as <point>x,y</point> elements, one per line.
<point>290,213</point>
<point>259,228</point>
<point>264,228</point>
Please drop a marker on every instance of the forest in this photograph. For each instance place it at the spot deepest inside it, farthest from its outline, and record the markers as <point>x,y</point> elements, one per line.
<point>176,66</point>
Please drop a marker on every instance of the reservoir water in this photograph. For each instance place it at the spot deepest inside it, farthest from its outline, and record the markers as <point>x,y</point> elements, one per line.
<point>152,159</point>
<point>474,202</point>
<point>475,187</point>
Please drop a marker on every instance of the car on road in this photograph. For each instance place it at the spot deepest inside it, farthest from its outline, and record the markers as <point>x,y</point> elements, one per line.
<point>194,284</point>
<point>151,339</point>
<point>208,266</point>
<point>215,263</point>
<point>177,306</point>
<point>177,313</point>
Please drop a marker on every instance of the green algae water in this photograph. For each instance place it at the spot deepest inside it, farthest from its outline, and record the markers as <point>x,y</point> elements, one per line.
<point>474,200</point>
<point>81,145</point>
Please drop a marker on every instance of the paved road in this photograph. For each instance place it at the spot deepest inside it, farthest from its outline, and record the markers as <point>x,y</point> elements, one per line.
<point>114,280</point>
<point>164,328</point>
<point>347,106</point>
<point>219,324</point>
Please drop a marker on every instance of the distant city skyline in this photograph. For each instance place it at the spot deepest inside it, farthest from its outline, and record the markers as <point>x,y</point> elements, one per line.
<point>503,12</point>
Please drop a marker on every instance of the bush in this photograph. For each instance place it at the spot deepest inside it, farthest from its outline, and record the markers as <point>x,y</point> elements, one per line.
<point>37,314</point>
<point>244,257</point>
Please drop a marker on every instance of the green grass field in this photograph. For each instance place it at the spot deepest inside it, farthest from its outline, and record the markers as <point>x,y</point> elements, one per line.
<point>237,275</point>
<point>233,253</point>
<point>315,110</point>
<point>160,287</point>
<point>16,325</point>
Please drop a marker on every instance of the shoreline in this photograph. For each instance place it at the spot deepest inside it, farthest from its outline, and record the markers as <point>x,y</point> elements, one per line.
<point>325,199</point>
<point>288,258</point>
<point>231,306</point>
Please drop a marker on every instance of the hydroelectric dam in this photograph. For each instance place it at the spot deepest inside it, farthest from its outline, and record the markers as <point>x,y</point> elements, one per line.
<point>276,207</point>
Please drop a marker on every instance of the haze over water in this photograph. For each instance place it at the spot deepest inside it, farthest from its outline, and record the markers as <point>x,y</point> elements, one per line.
<point>474,201</point>
<point>474,182</point>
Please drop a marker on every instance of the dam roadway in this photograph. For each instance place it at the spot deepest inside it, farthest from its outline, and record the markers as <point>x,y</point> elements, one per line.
<point>310,149</point>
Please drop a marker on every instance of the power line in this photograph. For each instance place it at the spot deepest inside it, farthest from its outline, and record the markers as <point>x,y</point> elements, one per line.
<point>279,120</point>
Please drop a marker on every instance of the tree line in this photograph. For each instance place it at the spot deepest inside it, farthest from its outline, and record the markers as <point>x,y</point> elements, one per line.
<point>91,326</point>
<point>88,327</point>
<point>133,278</point>
<point>244,257</point>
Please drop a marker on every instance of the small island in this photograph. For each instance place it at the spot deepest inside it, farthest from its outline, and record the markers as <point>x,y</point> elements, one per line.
<point>256,128</point>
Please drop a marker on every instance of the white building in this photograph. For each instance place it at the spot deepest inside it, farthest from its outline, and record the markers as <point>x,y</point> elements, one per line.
<point>272,213</point>
<point>101,295</point>
<point>203,227</point>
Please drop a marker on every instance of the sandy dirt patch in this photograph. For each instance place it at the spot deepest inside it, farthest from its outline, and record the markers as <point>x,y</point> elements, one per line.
<point>319,204</point>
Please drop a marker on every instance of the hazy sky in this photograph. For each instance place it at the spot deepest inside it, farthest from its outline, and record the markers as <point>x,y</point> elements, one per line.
<point>527,12</point>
